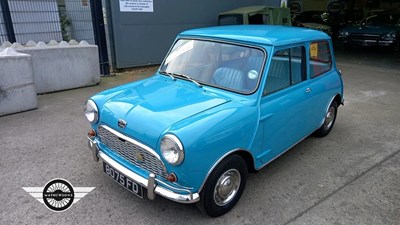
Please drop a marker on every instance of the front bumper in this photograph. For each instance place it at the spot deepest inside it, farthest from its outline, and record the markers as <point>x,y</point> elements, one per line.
<point>366,42</point>
<point>151,183</point>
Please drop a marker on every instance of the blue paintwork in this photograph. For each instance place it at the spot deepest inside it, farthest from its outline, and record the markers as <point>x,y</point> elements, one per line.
<point>259,34</point>
<point>211,122</point>
<point>372,29</point>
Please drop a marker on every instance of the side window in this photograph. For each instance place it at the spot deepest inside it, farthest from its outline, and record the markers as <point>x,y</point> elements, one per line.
<point>287,68</point>
<point>298,64</point>
<point>258,19</point>
<point>320,58</point>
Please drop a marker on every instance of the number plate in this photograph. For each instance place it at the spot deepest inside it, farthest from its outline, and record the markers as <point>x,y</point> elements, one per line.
<point>124,181</point>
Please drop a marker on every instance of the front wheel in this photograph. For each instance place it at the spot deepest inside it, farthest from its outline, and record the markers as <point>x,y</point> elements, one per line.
<point>329,121</point>
<point>223,187</point>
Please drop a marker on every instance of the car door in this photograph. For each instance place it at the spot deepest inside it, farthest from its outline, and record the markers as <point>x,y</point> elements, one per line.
<point>284,105</point>
<point>322,79</point>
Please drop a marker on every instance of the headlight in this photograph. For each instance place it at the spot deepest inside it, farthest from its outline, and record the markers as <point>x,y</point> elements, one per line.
<point>343,33</point>
<point>389,36</point>
<point>172,149</point>
<point>91,111</point>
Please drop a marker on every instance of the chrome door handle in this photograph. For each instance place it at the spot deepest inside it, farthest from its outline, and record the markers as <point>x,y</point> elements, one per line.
<point>308,90</point>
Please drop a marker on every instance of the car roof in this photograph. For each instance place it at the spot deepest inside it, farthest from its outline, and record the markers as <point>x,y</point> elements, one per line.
<point>260,34</point>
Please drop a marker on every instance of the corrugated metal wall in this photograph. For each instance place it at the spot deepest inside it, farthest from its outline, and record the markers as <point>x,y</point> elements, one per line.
<point>35,20</point>
<point>143,38</point>
<point>3,31</point>
<point>45,20</point>
<point>80,18</point>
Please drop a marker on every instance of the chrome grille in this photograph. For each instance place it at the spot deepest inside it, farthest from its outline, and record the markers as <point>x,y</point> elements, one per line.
<point>131,151</point>
<point>374,37</point>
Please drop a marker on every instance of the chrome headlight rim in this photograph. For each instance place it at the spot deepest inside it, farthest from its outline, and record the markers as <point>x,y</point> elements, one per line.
<point>91,111</point>
<point>389,36</point>
<point>343,33</point>
<point>178,150</point>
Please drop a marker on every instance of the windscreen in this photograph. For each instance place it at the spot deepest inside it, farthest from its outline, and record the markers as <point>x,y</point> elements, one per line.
<point>381,19</point>
<point>227,66</point>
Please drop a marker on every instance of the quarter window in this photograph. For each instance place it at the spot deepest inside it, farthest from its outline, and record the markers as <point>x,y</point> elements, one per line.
<point>320,58</point>
<point>287,68</point>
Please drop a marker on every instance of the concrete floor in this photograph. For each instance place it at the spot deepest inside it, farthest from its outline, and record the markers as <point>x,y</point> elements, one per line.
<point>352,176</point>
<point>372,56</point>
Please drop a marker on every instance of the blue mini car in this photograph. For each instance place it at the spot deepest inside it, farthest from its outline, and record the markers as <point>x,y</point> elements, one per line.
<point>224,102</point>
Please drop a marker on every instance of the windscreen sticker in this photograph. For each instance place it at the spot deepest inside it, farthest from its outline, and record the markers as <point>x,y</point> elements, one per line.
<point>314,50</point>
<point>252,74</point>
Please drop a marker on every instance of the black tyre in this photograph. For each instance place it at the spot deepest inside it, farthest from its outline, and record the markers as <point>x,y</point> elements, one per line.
<point>347,47</point>
<point>224,187</point>
<point>397,45</point>
<point>329,121</point>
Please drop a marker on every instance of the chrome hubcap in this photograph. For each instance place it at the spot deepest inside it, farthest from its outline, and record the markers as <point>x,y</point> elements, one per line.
<point>330,115</point>
<point>227,187</point>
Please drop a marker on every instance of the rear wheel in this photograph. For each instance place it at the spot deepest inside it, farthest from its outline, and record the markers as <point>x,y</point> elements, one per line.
<point>329,121</point>
<point>223,187</point>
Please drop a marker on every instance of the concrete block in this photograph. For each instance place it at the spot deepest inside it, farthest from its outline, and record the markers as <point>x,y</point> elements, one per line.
<point>53,43</point>
<point>73,42</point>
<point>17,90</point>
<point>6,44</point>
<point>41,44</point>
<point>63,44</point>
<point>16,45</point>
<point>62,66</point>
<point>30,44</point>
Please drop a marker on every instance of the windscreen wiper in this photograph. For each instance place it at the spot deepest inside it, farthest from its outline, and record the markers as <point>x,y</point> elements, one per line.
<point>169,74</point>
<point>181,75</point>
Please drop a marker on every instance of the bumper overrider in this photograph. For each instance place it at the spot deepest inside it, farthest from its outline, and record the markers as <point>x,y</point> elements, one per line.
<point>151,183</point>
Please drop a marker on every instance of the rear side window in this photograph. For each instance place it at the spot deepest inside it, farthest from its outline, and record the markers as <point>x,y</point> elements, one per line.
<point>287,68</point>
<point>320,58</point>
<point>258,19</point>
<point>230,20</point>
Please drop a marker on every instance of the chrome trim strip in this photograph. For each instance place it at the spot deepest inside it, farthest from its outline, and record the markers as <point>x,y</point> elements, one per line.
<point>93,104</point>
<point>180,146</point>
<point>365,35</point>
<point>385,42</point>
<point>126,138</point>
<point>150,186</point>
<point>326,110</point>
<point>92,144</point>
<point>285,150</point>
<point>189,195</point>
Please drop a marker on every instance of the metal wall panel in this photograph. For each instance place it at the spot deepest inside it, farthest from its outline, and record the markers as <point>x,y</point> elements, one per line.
<point>80,17</point>
<point>3,31</point>
<point>35,20</point>
<point>143,38</point>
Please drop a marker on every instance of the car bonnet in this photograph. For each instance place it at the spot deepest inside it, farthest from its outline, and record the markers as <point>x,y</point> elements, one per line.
<point>150,108</point>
